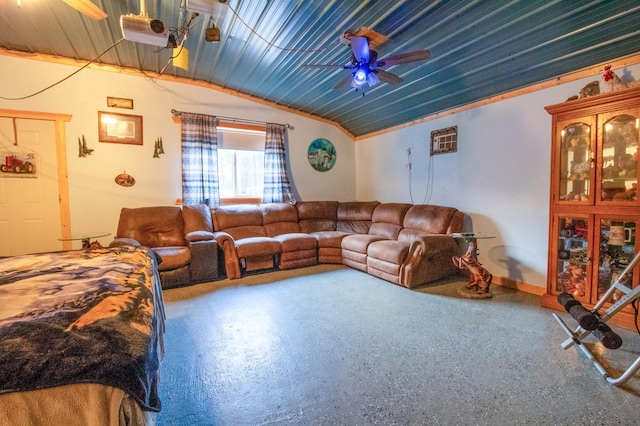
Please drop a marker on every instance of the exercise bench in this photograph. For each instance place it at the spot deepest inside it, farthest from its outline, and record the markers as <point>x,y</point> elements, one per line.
<point>594,322</point>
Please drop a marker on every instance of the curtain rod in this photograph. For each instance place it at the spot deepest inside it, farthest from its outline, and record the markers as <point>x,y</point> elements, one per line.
<point>236,120</point>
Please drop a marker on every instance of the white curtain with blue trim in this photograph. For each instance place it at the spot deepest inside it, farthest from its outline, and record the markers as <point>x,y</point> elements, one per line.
<point>200,160</point>
<point>277,188</point>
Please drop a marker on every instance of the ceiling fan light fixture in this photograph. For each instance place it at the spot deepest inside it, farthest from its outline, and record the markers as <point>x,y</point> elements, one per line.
<point>360,77</point>
<point>372,79</point>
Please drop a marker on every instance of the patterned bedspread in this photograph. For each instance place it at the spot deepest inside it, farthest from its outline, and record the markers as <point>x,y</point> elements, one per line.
<point>82,317</point>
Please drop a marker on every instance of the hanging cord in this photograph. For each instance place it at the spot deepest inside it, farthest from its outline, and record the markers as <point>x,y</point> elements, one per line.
<point>409,166</point>
<point>429,189</point>
<point>66,78</point>
<point>430,173</point>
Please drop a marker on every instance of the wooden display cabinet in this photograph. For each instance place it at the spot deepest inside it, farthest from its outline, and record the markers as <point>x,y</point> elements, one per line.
<point>594,207</point>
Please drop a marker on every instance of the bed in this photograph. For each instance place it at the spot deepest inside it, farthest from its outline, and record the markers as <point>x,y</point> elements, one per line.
<point>80,337</point>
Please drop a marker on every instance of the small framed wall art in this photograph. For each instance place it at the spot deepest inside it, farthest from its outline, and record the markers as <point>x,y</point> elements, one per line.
<point>321,154</point>
<point>119,102</point>
<point>120,128</point>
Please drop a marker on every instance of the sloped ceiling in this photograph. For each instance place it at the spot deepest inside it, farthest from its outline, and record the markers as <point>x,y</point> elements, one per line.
<point>479,49</point>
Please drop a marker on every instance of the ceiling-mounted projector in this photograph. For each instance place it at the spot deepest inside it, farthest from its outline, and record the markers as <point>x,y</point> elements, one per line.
<point>142,29</point>
<point>208,7</point>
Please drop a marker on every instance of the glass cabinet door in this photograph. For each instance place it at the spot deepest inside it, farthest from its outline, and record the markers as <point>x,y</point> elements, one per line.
<point>576,161</point>
<point>618,163</point>
<point>616,249</point>
<point>573,257</point>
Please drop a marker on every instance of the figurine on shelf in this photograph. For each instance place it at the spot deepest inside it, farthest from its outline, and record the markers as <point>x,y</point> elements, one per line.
<point>612,82</point>
<point>630,194</point>
<point>572,280</point>
<point>580,170</point>
<point>628,165</point>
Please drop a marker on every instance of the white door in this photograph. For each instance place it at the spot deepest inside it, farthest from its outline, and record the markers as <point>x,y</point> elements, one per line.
<point>29,195</point>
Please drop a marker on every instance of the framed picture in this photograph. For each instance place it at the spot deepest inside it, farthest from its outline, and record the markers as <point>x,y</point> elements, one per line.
<point>119,102</point>
<point>120,128</point>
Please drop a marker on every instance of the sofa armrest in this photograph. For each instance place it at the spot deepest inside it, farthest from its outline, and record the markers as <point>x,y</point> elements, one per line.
<point>196,236</point>
<point>434,243</point>
<point>204,260</point>
<point>429,258</point>
<point>119,242</point>
<point>231,261</point>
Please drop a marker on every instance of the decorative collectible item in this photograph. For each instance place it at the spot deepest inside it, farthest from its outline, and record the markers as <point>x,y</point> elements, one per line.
<point>82,148</point>
<point>321,155</point>
<point>123,179</point>
<point>612,82</point>
<point>18,165</point>
<point>158,149</point>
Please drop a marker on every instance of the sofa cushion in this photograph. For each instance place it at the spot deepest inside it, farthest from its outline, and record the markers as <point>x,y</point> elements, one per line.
<point>279,218</point>
<point>389,251</point>
<point>234,216</point>
<point>355,216</point>
<point>434,219</point>
<point>160,226</point>
<point>359,242</point>
<point>197,218</point>
<point>240,221</point>
<point>296,241</point>
<point>173,257</point>
<point>257,246</point>
<point>329,238</point>
<point>387,220</point>
<point>315,216</point>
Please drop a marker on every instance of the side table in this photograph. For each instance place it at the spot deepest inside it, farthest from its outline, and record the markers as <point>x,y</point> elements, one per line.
<point>479,278</point>
<point>86,239</point>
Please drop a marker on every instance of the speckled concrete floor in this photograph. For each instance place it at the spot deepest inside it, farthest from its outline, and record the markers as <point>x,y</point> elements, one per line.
<point>332,346</point>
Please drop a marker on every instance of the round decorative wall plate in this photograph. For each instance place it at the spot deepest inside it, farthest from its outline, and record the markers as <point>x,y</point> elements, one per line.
<point>321,154</point>
<point>123,179</point>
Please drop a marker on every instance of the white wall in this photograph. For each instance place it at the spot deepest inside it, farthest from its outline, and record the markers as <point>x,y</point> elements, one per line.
<point>499,177</point>
<point>95,199</point>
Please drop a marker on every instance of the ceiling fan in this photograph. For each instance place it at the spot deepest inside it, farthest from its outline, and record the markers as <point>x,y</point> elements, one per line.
<point>365,67</point>
<point>87,8</point>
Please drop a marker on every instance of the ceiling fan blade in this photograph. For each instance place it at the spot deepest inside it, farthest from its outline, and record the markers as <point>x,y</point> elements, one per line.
<point>360,48</point>
<point>343,82</point>
<point>87,8</point>
<point>387,77</point>
<point>403,58</point>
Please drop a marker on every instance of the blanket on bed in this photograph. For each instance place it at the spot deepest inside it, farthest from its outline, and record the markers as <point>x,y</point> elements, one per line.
<point>83,316</point>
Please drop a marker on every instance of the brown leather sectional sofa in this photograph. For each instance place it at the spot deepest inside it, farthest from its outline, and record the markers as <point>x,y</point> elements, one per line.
<point>186,253</point>
<point>401,243</point>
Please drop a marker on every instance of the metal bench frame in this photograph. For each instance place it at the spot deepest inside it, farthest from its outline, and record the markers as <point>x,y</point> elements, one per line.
<point>576,337</point>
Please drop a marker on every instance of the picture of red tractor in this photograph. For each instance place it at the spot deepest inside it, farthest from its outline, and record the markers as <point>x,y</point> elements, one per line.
<point>13,164</point>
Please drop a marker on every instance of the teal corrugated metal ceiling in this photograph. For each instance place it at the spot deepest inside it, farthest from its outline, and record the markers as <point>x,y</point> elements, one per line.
<point>478,48</point>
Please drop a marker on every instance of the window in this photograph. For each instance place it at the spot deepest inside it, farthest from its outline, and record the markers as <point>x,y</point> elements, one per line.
<point>240,165</point>
<point>444,140</point>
